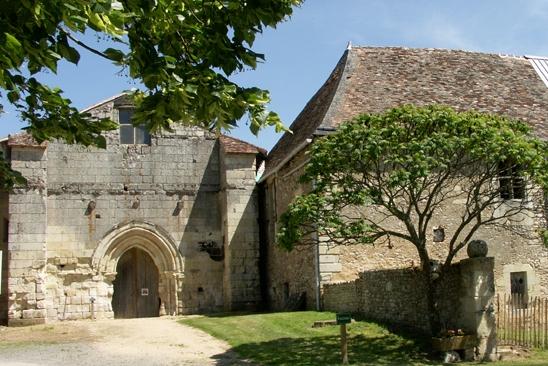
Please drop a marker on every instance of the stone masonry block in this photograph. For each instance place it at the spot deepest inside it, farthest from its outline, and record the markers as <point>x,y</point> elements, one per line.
<point>326,258</point>
<point>330,267</point>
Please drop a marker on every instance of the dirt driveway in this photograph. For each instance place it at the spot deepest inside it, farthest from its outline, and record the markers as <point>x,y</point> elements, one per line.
<point>132,342</point>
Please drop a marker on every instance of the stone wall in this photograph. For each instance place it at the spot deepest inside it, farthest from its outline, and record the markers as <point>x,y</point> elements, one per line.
<point>27,238</point>
<point>241,232</point>
<point>393,296</point>
<point>307,267</point>
<point>343,296</point>
<point>517,247</point>
<point>290,274</point>
<point>4,228</point>
<point>167,197</point>
<point>173,183</point>
<point>398,296</point>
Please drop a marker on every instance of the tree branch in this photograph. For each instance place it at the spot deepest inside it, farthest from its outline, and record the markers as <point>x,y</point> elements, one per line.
<point>83,45</point>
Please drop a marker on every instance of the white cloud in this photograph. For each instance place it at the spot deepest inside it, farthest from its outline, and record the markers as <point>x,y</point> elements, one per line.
<point>440,32</point>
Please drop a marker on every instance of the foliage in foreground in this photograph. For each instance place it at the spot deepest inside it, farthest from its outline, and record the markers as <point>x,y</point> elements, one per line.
<point>182,51</point>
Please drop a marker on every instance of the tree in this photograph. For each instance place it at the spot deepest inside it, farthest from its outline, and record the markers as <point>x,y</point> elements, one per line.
<point>182,51</point>
<point>385,176</point>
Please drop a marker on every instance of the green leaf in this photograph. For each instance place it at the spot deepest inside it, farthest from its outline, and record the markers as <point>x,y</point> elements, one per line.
<point>12,42</point>
<point>114,54</point>
<point>69,53</point>
<point>13,96</point>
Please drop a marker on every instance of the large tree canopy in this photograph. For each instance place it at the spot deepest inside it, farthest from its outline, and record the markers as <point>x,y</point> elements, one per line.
<point>385,176</point>
<point>183,51</point>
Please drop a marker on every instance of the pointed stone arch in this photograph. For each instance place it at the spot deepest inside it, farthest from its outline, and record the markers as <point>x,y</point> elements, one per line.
<point>155,241</point>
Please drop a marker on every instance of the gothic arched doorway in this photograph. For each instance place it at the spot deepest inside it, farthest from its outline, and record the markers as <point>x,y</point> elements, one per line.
<point>136,286</point>
<point>159,247</point>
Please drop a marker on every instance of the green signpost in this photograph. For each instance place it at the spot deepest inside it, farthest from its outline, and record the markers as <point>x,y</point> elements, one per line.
<point>342,320</point>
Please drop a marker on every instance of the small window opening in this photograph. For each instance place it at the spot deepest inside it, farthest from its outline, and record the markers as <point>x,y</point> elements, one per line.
<point>518,288</point>
<point>439,234</point>
<point>130,134</point>
<point>512,184</point>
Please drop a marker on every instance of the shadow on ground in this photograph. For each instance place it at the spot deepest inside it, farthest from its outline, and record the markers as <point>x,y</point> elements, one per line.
<point>314,351</point>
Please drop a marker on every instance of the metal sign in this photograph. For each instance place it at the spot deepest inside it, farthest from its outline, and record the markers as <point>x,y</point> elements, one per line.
<point>344,318</point>
<point>144,292</point>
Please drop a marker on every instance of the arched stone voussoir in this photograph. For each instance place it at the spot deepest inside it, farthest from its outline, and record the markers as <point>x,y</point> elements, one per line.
<point>149,237</point>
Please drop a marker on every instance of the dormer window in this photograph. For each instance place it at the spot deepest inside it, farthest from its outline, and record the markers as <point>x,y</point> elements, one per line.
<point>130,134</point>
<point>512,185</point>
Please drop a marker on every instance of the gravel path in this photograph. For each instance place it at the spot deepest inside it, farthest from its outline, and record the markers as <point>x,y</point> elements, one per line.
<point>134,342</point>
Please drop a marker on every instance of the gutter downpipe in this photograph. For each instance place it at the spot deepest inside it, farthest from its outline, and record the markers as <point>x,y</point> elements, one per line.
<point>293,152</point>
<point>317,260</point>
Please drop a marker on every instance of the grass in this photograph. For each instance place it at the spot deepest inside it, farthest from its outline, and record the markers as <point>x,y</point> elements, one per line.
<point>289,339</point>
<point>539,358</point>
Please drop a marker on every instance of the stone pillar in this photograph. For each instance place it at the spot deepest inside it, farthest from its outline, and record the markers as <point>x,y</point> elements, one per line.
<point>241,285</point>
<point>477,303</point>
<point>27,238</point>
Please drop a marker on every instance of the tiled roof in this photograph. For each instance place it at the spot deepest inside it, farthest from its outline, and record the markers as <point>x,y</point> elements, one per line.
<point>25,139</point>
<point>372,80</point>
<point>234,145</point>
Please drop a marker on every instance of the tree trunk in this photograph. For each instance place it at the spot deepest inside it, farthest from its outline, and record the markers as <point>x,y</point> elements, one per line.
<point>431,294</point>
<point>432,304</point>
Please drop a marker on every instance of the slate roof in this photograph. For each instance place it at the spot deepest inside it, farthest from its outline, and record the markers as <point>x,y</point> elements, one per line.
<point>372,79</point>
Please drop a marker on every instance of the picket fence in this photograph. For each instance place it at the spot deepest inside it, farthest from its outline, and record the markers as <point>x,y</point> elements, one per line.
<point>522,320</point>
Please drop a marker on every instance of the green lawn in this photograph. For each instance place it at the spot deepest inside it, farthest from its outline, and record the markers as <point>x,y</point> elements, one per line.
<point>289,339</point>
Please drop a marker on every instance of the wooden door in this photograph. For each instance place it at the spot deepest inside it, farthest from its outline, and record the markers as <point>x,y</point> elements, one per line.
<point>136,286</point>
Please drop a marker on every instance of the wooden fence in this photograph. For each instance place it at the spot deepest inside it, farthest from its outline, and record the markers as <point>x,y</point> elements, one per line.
<point>522,320</point>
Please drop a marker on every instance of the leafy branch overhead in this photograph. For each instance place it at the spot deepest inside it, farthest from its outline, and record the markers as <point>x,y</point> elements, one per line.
<point>386,176</point>
<point>183,52</point>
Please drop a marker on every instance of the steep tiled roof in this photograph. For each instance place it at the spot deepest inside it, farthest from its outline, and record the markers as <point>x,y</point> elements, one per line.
<point>310,117</point>
<point>24,139</point>
<point>234,145</point>
<point>371,80</point>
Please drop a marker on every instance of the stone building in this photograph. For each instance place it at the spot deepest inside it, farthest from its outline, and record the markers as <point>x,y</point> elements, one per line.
<point>153,224</point>
<point>175,222</point>
<point>374,80</point>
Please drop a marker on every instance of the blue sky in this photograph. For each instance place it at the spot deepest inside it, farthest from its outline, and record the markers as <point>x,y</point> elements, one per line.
<point>302,51</point>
